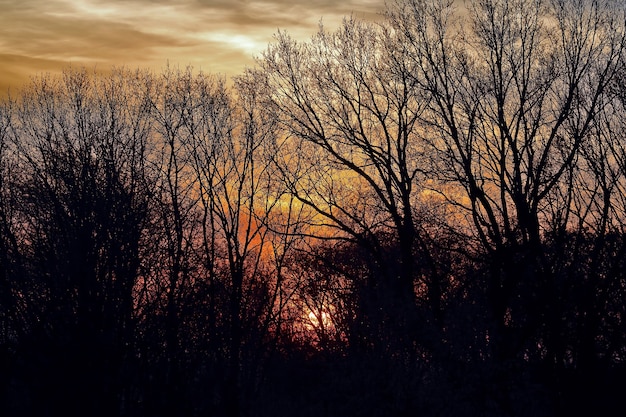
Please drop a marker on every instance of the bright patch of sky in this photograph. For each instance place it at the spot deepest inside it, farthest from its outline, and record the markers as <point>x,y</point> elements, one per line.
<point>213,35</point>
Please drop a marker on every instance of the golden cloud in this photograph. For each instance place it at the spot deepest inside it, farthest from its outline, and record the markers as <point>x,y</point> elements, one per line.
<point>215,35</point>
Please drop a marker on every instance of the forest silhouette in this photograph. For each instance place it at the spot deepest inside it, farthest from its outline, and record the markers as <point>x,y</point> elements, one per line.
<point>423,216</point>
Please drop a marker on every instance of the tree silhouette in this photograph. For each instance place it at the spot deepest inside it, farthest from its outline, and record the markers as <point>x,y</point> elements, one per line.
<point>82,194</point>
<point>423,215</point>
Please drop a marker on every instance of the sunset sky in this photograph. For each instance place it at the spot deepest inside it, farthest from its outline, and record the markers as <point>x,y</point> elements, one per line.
<point>218,36</point>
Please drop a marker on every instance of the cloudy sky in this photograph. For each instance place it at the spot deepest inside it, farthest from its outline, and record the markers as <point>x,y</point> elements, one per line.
<point>219,36</point>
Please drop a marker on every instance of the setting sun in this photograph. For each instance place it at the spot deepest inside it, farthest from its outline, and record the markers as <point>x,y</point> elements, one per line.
<point>315,322</point>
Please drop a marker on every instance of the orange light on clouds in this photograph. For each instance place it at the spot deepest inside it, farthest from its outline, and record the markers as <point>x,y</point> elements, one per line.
<point>218,36</point>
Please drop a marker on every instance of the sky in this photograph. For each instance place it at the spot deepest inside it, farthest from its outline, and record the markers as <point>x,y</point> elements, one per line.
<point>217,36</point>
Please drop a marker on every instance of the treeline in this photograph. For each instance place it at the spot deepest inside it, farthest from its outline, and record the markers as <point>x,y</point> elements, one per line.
<point>421,216</point>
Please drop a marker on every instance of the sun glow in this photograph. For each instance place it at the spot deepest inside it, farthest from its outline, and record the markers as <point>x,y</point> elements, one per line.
<point>319,319</point>
<point>322,319</point>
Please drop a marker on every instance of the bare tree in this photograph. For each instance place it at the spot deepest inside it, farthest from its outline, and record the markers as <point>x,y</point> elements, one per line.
<point>512,101</point>
<point>349,107</point>
<point>228,137</point>
<point>83,200</point>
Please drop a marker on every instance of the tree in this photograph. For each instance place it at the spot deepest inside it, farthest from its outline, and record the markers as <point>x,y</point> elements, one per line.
<point>229,138</point>
<point>218,273</point>
<point>517,93</point>
<point>80,146</point>
<point>512,103</point>
<point>349,108</point>
<point>13,315</point>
